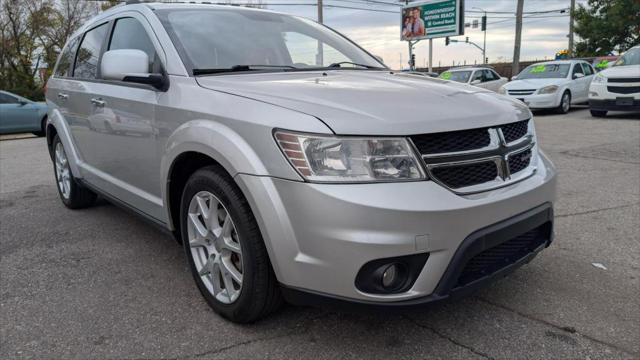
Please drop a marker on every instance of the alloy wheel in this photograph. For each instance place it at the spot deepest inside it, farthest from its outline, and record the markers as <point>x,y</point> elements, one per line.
<point>63,174</point>
<point>215,246</point>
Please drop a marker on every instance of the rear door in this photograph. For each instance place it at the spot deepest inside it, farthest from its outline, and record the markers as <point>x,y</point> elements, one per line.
<point>121,123</point>
<point>577,85</point>
<point>76,94</point>
<point>588,77</point>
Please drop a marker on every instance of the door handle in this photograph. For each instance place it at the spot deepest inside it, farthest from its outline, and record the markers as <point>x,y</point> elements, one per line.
<point>63,96</point>
<point>98,102</point>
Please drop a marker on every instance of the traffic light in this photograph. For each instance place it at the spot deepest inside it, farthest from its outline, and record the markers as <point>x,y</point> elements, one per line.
<point>484,23</point>
<point>466,40</point>
<point>446,41</point>
<point>413,59</point>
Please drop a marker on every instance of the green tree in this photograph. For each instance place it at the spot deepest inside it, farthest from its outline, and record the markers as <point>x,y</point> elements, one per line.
<point>605,26</point>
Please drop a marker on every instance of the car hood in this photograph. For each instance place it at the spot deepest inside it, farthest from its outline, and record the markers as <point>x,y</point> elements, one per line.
<point>375,102</point>
<point>622,71</point>
<point>533,83</point>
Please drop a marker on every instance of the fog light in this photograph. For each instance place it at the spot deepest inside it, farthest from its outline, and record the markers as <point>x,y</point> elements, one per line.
<point>390,276</point>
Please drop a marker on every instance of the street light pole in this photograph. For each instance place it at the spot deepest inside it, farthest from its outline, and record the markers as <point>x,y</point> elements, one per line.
<point>571,11</point>
<point>484,25</point>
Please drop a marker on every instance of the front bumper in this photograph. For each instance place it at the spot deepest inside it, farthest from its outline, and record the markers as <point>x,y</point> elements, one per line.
<point>540,218</point>
<point>319,235</point>
<point>539,101</point>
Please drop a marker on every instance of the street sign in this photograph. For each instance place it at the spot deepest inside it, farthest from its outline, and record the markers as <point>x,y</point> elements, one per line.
<point>432,19</point>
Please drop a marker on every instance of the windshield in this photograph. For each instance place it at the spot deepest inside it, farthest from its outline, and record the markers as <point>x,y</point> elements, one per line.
<point>544,71</point>
<point>459,76</point>
<point>226,38</point>
<point>631,57</point>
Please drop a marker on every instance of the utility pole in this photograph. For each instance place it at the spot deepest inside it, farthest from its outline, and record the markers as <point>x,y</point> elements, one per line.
<point>573,6</point>
<point>484,45</point>
<point>515,67</point>
<point>320,55</point>
<point>430,55</point>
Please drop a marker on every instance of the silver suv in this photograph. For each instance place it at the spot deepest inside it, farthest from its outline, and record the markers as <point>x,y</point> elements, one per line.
<point>291,163</point>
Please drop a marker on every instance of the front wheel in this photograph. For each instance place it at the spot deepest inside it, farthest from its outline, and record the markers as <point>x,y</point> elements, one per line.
<point>565,103</point>
<point>72,194</point>
<point>225,249</point>
<point>598,113</point>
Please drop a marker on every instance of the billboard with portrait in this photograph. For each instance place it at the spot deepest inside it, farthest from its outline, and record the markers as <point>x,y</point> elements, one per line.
<point>432,19</point>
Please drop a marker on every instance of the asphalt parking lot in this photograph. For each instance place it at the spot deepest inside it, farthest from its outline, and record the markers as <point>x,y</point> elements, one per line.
<point>100,283</point>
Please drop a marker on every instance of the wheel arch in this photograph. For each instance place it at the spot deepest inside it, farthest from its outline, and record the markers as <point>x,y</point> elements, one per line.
<point>197,144</point>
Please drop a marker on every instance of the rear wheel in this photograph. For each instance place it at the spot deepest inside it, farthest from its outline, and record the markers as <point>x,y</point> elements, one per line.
<point>598,113</point>
<point>565,103</point>
<point>225,249</point>
<point>72,194</point>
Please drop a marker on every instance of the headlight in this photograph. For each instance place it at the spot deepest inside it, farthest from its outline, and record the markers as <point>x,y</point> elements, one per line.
<point>548,89</point>
<point>599,79</point>
<point>502,90</point>
<point>324,158</point>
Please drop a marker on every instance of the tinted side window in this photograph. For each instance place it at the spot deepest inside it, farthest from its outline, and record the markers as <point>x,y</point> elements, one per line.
<point>496,76</point>
<point>477,75</point>
<point>89,53</point>
<point>7,99</point>
<point>488,75</point>
<point>577,69</point>
<point>128,33</point>
<point>587,69</point>
<point>66,59</point>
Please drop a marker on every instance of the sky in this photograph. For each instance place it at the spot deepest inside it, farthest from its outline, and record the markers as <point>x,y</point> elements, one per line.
<point>379,31</point>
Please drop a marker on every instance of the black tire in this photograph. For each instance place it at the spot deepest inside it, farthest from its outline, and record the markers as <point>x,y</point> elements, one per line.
<point>562,108</point>
<point>43,130</point>
<point>598,113</point>
<point>79,197</point>
<point>260,294</point>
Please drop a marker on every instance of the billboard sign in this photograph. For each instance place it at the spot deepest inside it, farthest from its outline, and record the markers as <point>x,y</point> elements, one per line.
<point>432,19</point>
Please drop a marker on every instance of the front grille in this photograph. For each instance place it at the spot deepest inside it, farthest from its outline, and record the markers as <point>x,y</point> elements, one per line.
<point>459,176</point>
<point>624,89</point>
<point>500,256</point>
<point>519,161</point>
<point>467,158</point>
<point>522,92</point>
<point>624,80</point>
<point>515,131</point>
<point>452,141</point>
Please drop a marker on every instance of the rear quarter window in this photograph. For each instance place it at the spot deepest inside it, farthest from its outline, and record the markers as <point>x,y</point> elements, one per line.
<point>65,62</point>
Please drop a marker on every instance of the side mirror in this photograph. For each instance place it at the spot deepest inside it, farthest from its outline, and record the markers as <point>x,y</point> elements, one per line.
<point>476,82</point>
<point>130,65</point>
<point>578,75</point>
<point>514,78</point>
<point>379,58</point>
<point>22,102</point>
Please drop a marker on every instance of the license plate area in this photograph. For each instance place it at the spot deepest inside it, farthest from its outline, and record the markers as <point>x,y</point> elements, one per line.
<point>624,101</point>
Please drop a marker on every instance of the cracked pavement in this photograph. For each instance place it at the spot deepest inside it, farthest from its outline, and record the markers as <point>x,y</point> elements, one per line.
<point>101,283</point>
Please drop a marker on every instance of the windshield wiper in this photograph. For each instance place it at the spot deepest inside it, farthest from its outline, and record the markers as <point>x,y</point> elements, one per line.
<point>240,68</point>
<point>339,64</point>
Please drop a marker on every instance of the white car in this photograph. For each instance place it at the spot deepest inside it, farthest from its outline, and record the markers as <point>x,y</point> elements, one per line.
<point>552,85</point>
<point>617,88</point>
<point>483,77</point>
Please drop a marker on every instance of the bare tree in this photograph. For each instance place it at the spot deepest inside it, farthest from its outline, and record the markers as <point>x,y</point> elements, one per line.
<point>32,34</point>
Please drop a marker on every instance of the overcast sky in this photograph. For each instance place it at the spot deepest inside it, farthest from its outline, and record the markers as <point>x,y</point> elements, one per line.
<point>379,32</point>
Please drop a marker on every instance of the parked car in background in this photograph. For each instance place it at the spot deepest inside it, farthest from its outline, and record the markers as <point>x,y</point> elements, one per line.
<point>19,115</point>
<point>617,88</point>
<point>552,84</point>
<point>330,180</point>
<point>483,77</point>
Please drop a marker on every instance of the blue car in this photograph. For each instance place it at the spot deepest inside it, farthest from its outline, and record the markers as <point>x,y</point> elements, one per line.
<point>18,115</point>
